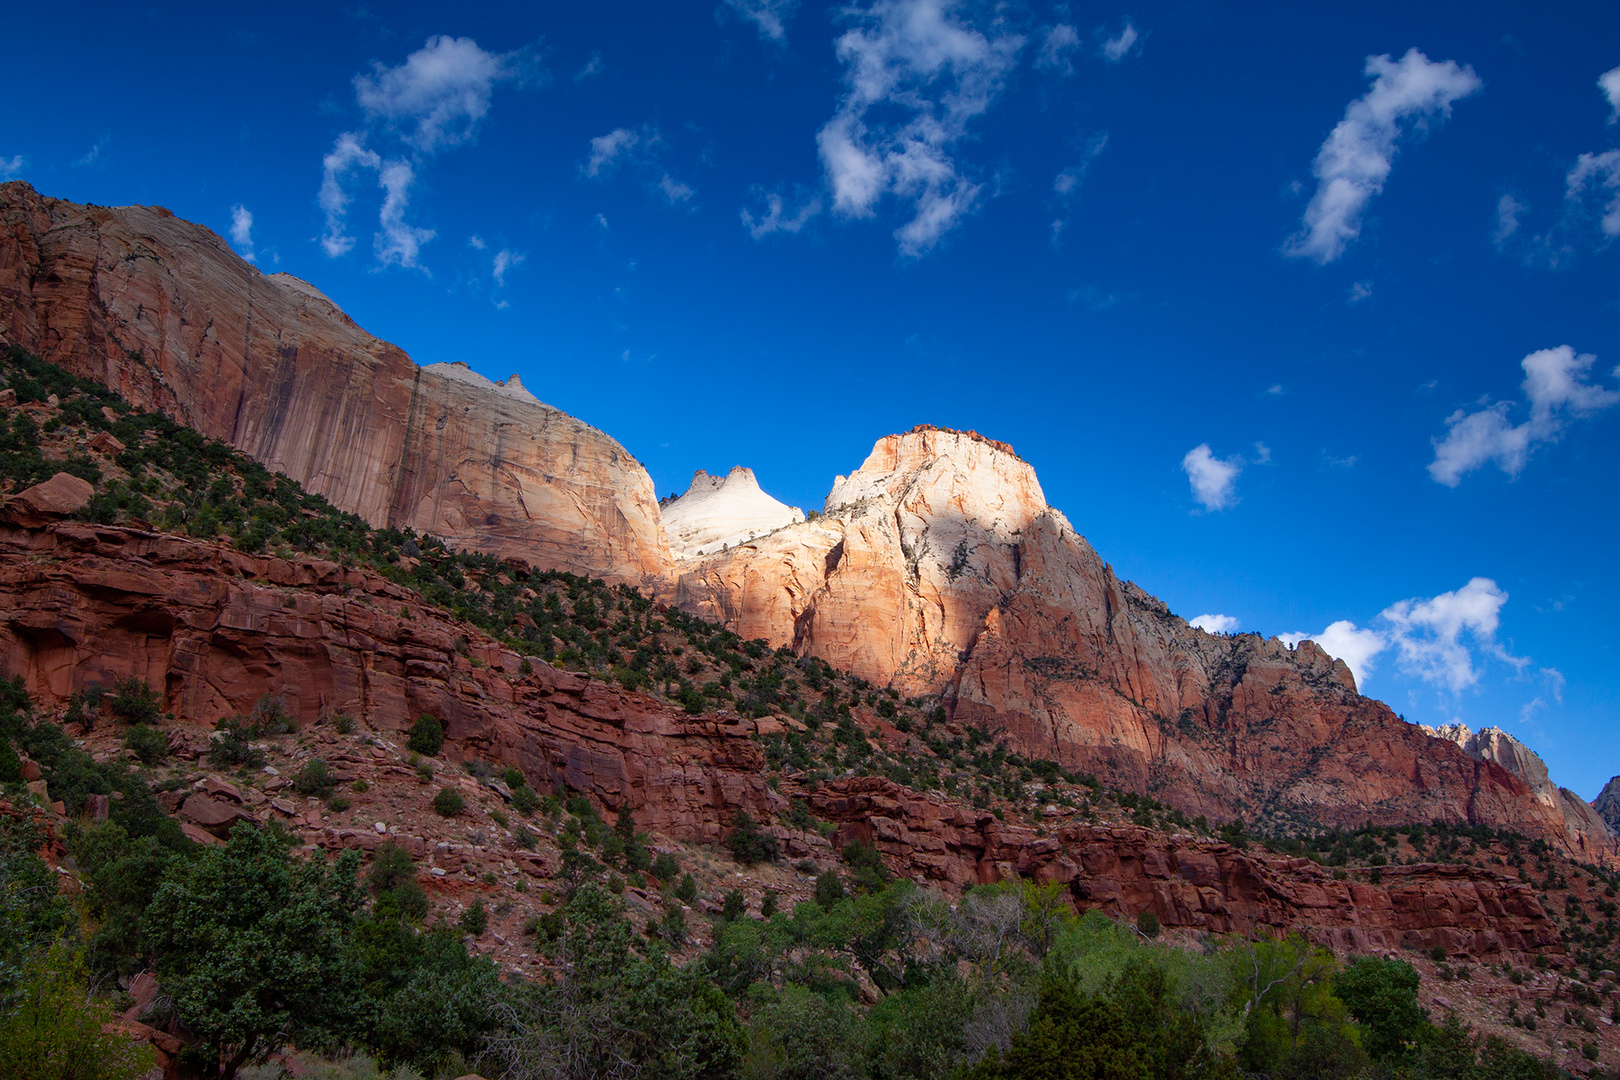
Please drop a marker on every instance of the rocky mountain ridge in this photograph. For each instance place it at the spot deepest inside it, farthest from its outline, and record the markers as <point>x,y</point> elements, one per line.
<point>163,311</point>
<point>936,568</point>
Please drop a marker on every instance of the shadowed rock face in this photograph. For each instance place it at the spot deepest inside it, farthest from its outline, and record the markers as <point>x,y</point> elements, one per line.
<point>165,313</point>
<point>1607,804</point>
<point>216,629</point>
<point>938,568</point>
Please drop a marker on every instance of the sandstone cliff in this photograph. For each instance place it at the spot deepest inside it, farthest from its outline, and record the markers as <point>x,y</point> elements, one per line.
<point>163,311</point>
<point>217,629</point>
<point>718,511</point>
<point>937,567</point>
<point>1607,804</point>
<point>1494,744</point>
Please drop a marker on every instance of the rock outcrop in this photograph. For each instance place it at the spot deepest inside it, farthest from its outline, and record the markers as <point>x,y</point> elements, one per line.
<point>216,629</point>
<point>164,312</point>
<point>937,567</point>
<point>1494,744</point>
<point>1607,804</point>
<point>719,511</point>
<point>1196,883</point>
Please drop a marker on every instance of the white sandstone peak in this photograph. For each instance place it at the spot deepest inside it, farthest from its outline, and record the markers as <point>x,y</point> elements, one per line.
<point>458,370</point>
<point>719,511</point>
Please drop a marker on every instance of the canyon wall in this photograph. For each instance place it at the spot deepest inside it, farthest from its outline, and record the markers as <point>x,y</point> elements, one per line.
<point>216,629</point>
<point>164,312</point>
<point>937,567</point>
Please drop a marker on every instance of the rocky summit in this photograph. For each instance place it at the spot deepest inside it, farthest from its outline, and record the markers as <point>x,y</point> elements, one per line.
<point>936,568</point>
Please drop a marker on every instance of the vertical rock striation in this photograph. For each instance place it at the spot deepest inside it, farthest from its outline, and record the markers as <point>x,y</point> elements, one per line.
<point>163,311</point>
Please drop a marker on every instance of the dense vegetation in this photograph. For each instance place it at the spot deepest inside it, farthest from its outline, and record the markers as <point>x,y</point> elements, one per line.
<point>258,945</point>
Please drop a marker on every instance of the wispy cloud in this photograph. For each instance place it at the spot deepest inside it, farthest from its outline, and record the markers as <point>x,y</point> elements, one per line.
<point>435,100</point>
<point>916,77</point>
<point>1119,46</point>
<point>770,17</point>
<point>94,154</point>
<point>643,151</point>
<point>242,231</point>
<point>776,217</point>
<point>1359,291</point>
<point>1356,159</point>
<point>1609,83</point>
<point>9,169</point>
<point>505,260</point>
<point>591,68</point>
<point>1213,479</point>
<point>1556,390</point>
<point>1597,174</point>
<point>348,154</point>
<point>1057,47</point>
<point>1508,212</point>
<point>1067,183</point>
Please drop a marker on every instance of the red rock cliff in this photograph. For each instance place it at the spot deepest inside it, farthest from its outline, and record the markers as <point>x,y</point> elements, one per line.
<point>165,313</point>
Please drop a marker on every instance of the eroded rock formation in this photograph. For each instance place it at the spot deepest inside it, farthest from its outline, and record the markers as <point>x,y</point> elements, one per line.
<point>718,511</point>
<point>937,567</point>
<point>164,312</point>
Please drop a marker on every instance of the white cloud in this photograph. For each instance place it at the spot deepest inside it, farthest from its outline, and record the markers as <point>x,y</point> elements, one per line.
<point>1119,46</point>
<point>1556,389</point>
<point>776,217</point>
<point>915,79</point>
<point>1214,480</point>
<point>476,242</point>
<point>1508,210</point>
<point>1356,159</point>
<point>674,190</point>
<point>642,151</point>
<point>94,154</point>
<point>396,242</point>
<point>1343,640</point>
<point>11,168</point>
<point>770,16</point>
<point>1067,183</point>
<point>440,93</point>
<point>347,154</point>
<point>1262,454</point>
<point>1361,290</point>
<point>436,99</point>
<point>1600,172</point>
<point>592,67</point>
<point>1059,44</point>
<point>1436,640</point>
<point>242,230</point>
<point>607,150</point>
<point>1215,624</point>
<point>504,261</point>
<point>1609,83</point>
<point>1429,633</point>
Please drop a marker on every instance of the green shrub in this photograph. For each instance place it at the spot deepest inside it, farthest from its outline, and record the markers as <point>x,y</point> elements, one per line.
<point>686,890</point>
<point>150,745</point>
<point>829,889</point>
<point>525,801</point>
<point>136,702</point>
<point>475,920</point>
<point>665,867</point>
<point>1148,923</point>
<point>315,779</point>
<point>748,843</point>
<point>448,803</point>
<point>235,746</point>
<point>427,736</point>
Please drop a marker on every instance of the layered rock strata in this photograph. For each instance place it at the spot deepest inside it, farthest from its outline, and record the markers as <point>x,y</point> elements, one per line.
<point>164,312</point>
<point>216,630</point>
<point>938,568</point>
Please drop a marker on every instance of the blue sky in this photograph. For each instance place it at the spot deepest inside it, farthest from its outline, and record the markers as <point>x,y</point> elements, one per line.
<point>1307,316</point>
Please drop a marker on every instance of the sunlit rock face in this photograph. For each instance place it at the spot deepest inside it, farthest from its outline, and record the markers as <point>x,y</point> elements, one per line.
<point>938,568</point>
<point>718,512</point>
<point>164,312</point>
